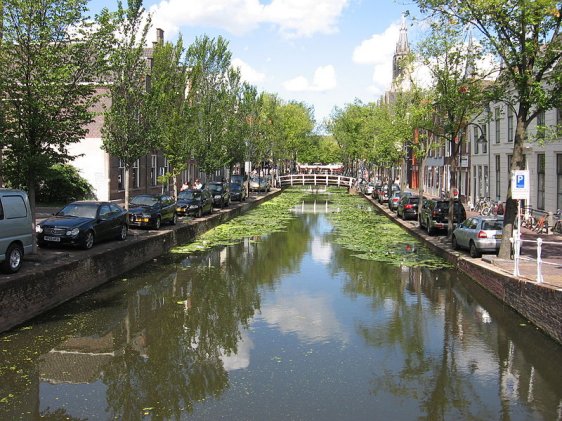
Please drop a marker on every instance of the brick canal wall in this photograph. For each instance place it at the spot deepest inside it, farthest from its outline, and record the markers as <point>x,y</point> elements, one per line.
<point>539,303</point>
<point>49,284</point>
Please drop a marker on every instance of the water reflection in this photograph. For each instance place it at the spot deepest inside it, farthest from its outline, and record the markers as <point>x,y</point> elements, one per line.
<point>276,327</point>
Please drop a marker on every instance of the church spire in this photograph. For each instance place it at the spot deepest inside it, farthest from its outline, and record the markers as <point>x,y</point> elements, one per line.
<point>401,52</point>
<point>403,47</point>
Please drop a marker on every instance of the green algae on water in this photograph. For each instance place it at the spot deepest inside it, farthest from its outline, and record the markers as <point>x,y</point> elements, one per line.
<point>372,236</point>
<point>269,217</point>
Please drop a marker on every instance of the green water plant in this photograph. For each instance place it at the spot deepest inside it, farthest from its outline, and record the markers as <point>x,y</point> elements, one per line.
<point>372,236</point>
<point>271,216</point>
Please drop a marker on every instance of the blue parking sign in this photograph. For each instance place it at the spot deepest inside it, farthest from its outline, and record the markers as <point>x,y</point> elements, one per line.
<point>520,181</point>
<point>520,184</point>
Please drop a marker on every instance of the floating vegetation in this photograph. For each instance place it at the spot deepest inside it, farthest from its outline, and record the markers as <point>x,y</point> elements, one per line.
<point>269,217</point>
<point>372,236</point>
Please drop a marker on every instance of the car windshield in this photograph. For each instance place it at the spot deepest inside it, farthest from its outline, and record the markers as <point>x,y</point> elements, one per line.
<point>235,186</point>
<point>414,200</point>
<point>189,195</point>
<point>144,201</point>
<point>496,225</point>
<point>215,187</point>
<point>82,210</point>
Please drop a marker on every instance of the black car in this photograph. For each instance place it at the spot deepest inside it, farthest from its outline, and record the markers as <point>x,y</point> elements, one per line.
<point>238,192</point>
<point>194,202</point>
<point>408,207</point>
<point>152,210</point>
<point>220,192</point>
<point>434,214</point>
<point>83,223</point>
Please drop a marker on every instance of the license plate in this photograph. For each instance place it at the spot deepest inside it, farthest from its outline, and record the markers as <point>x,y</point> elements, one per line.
<point>49,238</point>
<point>498,236</point>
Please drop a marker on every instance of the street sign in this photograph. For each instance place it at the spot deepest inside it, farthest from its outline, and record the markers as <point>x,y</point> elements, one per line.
<point>520,185</point>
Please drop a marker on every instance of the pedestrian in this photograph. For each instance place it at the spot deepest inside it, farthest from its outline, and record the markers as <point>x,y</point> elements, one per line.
<point>184,186</point>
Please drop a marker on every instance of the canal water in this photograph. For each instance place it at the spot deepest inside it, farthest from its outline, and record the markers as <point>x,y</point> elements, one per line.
<point>290,326</point>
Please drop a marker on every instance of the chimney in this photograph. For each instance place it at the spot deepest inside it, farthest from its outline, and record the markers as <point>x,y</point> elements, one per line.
<point>159,36</point>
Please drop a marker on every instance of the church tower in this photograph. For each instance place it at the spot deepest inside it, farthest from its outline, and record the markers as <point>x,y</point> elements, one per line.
<point>400,73</point>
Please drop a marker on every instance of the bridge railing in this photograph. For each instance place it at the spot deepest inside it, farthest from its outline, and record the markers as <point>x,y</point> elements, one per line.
<point>316,180</point>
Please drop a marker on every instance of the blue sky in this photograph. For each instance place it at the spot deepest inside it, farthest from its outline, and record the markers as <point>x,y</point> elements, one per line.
<point>325,53</point>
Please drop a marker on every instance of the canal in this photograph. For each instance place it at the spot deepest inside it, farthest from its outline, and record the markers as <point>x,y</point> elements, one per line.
<point>289,325</point>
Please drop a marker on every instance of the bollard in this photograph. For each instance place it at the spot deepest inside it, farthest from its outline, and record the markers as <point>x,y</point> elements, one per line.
<point>539,261</point>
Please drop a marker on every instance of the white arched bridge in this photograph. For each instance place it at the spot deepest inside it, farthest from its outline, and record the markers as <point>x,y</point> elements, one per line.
<point>315,180</point>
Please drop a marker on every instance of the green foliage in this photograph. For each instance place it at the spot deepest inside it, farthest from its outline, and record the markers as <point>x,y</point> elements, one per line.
<point>62,184</point>
<point>214,88</point>
<point>49,54</point>
<point>125,133</point>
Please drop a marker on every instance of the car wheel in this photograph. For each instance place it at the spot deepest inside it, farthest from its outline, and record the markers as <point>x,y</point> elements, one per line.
<point>454,243</point>
<point>474,251</point>
<point>88,241</point>
<point>200,212</point>
<point>123,232</point>
<point>157,223</point>
<point>174,220</point>
<point>14,259</point>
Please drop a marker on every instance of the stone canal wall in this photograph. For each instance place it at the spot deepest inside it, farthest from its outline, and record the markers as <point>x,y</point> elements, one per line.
<point>46,281</point>
<point>541,304</point>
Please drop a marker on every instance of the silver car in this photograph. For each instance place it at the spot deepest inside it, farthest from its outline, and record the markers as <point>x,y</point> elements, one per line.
<point>478,234</point>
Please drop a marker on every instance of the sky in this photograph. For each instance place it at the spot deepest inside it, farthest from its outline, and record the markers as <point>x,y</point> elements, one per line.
<point>325,53</point>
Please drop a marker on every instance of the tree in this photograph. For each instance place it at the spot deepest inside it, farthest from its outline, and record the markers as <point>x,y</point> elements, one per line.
<point>296,125</point>
<point>126,130</point>
<point>168,107</point>
<point>50,54</point>
<point>457,91</point>
<point>525,36</point>
<point>213,87</point>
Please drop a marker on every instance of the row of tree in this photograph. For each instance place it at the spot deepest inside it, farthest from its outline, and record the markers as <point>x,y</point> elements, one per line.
<point>524,39</point>
<point>56,62</point>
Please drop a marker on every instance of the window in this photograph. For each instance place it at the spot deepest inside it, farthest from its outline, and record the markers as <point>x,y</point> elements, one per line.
<point>474,183</point>
<point>540,180</point>
<point>153,169</point>
<point>510,124</point>
<point>136,174</point>
<point>486,181</point>
<point>121,175</point>
<point>498,192</point>
<point>485,134</point>
<point>559,121</point>
<point>497,113</point>
<point>475,136</point>
<point>559,181</point>
<point>540,125</point>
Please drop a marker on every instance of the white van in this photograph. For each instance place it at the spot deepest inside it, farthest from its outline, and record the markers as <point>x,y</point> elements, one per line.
<point>15,229</point>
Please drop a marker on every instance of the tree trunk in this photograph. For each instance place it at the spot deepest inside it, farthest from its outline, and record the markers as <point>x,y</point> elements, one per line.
<point>421,175</point>
<point>517,163</point>
<point>33,210</point>
<point>452,187</point>
<point>126,186</point>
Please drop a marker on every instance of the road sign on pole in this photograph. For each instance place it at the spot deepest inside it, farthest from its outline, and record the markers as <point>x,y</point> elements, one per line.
<point>520,185</point>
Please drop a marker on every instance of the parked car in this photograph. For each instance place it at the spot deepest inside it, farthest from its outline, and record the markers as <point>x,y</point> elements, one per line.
<point>383,194</point>
<point>16,229</point>
<point>220,193</point>
<point>238,192</point>
<point>152,210</point>
<point>434,214</point>
<point>394,199</point>
<point>82,224</point>
<point>259,184</point>
<point>408,207</point>
<point>238,178</point>
<point>194,202</point>
<point>478,234</point>
<point>369,188</point>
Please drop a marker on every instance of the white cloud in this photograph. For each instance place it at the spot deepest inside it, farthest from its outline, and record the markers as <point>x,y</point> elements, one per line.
<point>293,18</point>
<point>324,79</point>
<point>378,51</point>
<point>249,74</point>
